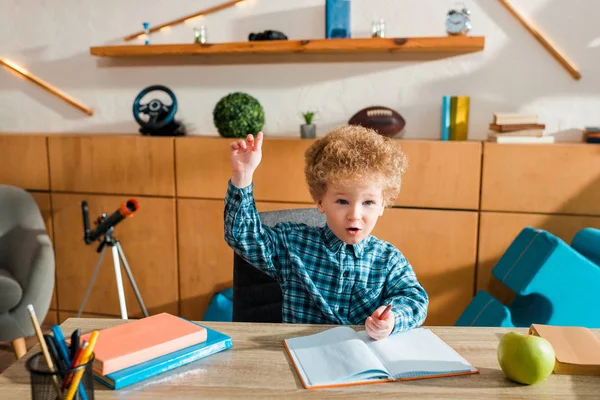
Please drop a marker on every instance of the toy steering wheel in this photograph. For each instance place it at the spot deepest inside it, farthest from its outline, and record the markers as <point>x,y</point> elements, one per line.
<point>159,114</point>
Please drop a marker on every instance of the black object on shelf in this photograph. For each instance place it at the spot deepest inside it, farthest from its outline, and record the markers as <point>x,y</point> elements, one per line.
<point>267,35</point>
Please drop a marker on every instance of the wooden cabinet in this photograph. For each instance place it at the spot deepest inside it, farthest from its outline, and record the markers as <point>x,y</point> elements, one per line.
<point>461,205</point>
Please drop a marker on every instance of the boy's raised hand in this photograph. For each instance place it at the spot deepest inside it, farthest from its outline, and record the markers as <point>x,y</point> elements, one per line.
<point>380,328</point>
<point>245,155</point>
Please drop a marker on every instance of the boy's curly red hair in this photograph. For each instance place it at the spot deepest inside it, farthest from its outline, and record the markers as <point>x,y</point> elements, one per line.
<point>352,153</point>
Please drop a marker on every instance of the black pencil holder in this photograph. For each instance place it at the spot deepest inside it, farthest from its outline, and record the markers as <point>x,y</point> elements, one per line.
<point>43,387</point>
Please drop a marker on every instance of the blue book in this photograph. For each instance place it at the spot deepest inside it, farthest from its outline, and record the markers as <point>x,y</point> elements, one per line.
<point>337,19</point>
<point>446,117</point>
<point>215,342</point>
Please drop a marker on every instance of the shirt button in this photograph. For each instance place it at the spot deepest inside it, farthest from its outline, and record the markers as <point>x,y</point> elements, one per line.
<point>346,273</point>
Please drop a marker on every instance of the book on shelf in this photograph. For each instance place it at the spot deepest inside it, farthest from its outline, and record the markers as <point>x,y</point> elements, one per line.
<point>446,117</point>
<point>216,342</point>
<point>522,132</point>
<point>514,119</point>
<point>141,340</point>
<point>521,139</point>
<point>455,117</point>
<point>577,349</point>
<point>592,134</point>
<point>341,356</point>
<point>516,127</point>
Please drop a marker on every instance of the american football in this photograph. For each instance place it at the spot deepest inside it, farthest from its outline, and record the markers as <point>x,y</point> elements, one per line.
<point>384,120</point>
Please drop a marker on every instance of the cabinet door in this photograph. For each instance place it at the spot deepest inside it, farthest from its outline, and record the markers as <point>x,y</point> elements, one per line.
<point>441,174</point>
<point>24,161</point>
<point>441,247</point>
<point>112,164</point>
<point>203,169</point>
<point>205,259</point>
<point>559,178</point>
<point>148,241</point>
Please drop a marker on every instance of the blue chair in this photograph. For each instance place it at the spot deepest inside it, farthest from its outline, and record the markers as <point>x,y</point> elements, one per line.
<point>587,243</point>
<point>554,283</point>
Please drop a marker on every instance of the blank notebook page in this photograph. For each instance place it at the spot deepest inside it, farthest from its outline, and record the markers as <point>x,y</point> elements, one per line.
<point>418,352</point>
<point>332,356</point>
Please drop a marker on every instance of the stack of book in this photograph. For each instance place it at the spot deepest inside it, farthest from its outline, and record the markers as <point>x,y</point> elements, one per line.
<point>137,350</point>
<point>518,128</point>
<point>592,134</point>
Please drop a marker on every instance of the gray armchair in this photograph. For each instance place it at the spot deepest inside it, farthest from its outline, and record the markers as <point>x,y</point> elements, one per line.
<point>26,266</point>
<point>256,296</point>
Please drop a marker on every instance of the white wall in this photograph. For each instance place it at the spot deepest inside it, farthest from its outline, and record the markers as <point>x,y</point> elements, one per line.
<point>514,73</point>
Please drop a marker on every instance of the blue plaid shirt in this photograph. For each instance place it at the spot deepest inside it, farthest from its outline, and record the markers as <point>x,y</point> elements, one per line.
<point>324,280</point>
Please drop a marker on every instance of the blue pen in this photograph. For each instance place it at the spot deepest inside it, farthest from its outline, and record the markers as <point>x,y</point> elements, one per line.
<point>64,353</point>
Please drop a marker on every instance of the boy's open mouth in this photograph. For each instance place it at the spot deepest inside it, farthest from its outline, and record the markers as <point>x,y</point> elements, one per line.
<point>353,230</point>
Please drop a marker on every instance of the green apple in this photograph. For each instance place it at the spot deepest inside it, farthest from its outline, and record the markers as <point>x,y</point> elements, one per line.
<point>525,358</point>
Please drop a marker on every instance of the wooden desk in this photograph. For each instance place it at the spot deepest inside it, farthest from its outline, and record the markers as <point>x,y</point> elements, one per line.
<point>258,367</point>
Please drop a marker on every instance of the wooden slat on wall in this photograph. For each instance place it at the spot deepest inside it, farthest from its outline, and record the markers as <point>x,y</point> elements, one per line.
<point>557,178</point>
<point>24,161</point>
<point>131,165</point>
<point>43,202</point>
<point>205,259</point>
<point>441,247</point>
<point>149,243</point>
<point>441,174</point>
<point>498,230</point>
<point>203,169</point>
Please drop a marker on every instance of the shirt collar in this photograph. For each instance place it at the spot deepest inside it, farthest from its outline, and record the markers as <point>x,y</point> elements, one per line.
<point>334,244</point>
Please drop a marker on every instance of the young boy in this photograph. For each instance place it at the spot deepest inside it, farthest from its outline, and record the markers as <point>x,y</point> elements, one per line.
<point>338,273</point>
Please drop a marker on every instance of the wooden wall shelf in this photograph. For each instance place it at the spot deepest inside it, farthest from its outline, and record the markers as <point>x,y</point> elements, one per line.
<point>447,44</point>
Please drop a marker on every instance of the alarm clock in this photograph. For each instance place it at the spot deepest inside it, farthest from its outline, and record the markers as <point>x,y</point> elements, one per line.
<point>458,22</point>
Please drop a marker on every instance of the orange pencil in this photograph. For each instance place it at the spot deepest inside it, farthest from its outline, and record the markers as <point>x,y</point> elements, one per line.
<point>385,312</point>
<point>85,358</point>
<point>76,361</point>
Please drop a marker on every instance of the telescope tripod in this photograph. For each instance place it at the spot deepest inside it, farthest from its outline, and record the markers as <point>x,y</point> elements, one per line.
<point>117,251</point>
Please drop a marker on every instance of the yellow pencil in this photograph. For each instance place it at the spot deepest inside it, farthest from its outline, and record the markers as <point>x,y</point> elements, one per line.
<point>85,357</point>
<point>40,336</point>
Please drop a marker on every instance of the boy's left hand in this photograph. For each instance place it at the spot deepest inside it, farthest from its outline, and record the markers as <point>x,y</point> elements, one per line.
<point>380,328</point>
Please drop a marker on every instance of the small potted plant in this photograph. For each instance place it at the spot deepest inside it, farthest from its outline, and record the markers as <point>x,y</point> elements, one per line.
<point>308,130</point>
<point>237,115</point>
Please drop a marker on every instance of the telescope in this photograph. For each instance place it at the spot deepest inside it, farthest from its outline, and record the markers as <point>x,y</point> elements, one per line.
<point>104,233</point>
<point>104,223</point>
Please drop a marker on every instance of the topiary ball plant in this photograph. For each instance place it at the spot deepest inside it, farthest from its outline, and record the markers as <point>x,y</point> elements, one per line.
<point>237,115</point>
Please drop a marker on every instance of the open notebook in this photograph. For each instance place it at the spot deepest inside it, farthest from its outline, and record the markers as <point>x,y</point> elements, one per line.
<point>341,356</point>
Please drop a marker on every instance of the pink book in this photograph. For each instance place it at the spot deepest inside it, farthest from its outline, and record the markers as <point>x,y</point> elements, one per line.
<point>144,339</point>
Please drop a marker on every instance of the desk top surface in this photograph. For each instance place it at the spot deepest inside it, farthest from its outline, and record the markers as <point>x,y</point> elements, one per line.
<point>258,367</point>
